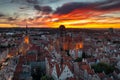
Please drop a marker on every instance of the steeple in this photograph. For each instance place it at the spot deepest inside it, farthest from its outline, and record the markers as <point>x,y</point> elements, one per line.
<point>26,29</point>
<point>26,38</point>
<point>62,36</point>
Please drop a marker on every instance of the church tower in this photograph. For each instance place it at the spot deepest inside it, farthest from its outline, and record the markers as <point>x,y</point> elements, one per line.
<point>26,38</point>
<point>62,36</point>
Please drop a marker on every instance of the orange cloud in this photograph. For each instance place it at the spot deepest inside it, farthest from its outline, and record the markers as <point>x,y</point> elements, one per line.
<point>78,18</point>
<point>84,19</point>
<point>7,25</point>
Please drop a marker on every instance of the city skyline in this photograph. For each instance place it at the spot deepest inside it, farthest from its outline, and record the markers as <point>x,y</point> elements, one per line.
<point>52,13</point>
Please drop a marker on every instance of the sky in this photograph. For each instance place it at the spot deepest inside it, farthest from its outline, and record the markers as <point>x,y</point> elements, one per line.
<point>53,13</point>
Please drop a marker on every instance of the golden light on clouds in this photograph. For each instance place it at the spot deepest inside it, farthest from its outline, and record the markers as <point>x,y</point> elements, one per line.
<point>7,25</point>
<point>75,19</point>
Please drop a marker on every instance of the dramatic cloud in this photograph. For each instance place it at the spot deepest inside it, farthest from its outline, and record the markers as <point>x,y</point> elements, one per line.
<point>32,1</point>
<point>2,15</point>
<point>43,8</point>
<point>37,7</point>
<point>52,13</point>
<point>67,8</point>
<point>24,7</point>
<point>110,5</point>
<point>11,19</point>
<point>46,9</point>
<point>35,1</point>
<point>25,1</point>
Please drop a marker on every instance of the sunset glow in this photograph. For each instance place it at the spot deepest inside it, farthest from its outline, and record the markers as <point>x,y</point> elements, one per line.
<point>78,14</point>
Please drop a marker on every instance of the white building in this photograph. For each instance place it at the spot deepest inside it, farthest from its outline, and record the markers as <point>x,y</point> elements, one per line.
<point>3,55</point>
<point>61,72</point>
<point>118,65</point>
<point>75,53</point>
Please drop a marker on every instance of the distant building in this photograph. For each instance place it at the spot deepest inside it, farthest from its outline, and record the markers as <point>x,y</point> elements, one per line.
<point>62,72</point>
<point>26,37</point>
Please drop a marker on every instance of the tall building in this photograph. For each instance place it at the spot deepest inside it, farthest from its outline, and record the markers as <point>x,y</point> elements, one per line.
<point>25,45</point>
<point>26,37</point>
<point>62,36</point>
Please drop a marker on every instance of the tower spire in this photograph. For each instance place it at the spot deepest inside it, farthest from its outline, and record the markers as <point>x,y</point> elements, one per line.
<point>26,29</point>
<point>26,38</point>
<point>62,36</point>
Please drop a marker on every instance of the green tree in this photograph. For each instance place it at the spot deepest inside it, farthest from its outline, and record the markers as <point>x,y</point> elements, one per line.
<point>44,77</point>
<point>79,59</point>
<point>100,67</point>
<point>36,73</point>
<point>83,55</point>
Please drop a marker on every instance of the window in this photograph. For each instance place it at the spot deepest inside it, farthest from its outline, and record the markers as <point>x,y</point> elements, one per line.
<point>68,73</point>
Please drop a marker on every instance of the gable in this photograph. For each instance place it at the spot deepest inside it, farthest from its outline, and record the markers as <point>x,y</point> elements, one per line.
<point>66,73</point>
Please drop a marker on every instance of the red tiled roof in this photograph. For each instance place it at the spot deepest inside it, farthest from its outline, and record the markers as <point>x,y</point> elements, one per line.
<point>69,66</point>
<point>58,70</point>
<point>71,78</point>
<point>101,75</point>
<point>67,58</point>
<point>87,67</point>
<point>34,47</point>
<point>30,58</point>
<point>18,68</point>
<point>109,79</point>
